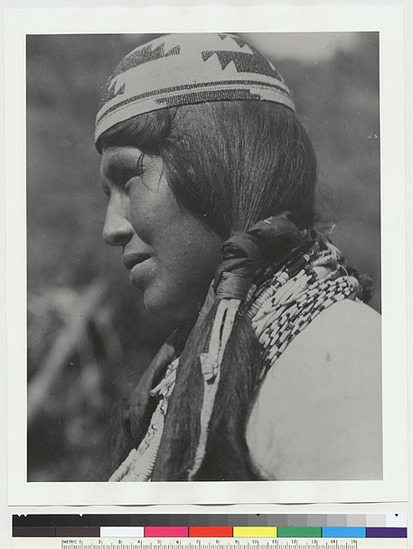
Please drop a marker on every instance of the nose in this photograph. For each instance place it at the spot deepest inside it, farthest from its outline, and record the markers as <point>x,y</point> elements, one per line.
<point>117,230</point>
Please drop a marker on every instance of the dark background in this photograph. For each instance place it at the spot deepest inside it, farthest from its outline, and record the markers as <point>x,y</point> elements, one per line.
<point>88,337</point>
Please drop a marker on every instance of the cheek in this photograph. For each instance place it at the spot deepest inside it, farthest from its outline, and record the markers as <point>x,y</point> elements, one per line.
<point>184,254</point>
<point>196,264</point>
<point>192,247</point>
<point>185,265</point>
<point>154,213</point>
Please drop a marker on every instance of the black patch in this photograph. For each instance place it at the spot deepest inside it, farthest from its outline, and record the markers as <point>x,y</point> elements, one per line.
<point>140,57</point>
<point>111,93</point>
<point>236,39</point>
<point>206,55</point>
<point>207,96</point>
<point>145,55</point>
<point>244,62</point>
<point>239,41</point>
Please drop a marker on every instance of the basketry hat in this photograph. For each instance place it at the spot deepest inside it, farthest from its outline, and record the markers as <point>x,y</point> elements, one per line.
<point>185,69</point>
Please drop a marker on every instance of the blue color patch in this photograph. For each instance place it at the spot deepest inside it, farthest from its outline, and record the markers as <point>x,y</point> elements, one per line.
<point>345,532</point>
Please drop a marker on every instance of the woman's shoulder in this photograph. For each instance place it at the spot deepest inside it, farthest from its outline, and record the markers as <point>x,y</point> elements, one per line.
<point>345,331</point>
<point>318,412</point>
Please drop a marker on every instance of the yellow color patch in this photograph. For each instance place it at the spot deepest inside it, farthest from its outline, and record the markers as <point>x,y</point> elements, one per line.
<point>255,532</point>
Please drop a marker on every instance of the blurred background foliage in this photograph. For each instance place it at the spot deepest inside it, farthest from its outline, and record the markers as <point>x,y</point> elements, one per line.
<point>89,338</point>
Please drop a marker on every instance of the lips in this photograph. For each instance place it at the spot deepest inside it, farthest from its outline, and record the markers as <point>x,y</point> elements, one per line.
<point>132,259</point>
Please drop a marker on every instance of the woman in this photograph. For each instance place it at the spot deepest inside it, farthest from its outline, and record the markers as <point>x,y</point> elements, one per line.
<point>273,371</point>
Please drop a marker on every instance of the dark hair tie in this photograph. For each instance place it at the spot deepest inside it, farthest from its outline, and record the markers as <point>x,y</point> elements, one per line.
<point>244,252</point>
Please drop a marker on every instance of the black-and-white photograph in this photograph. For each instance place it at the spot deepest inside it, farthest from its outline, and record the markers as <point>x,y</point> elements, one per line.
<point>251,329</point>
<point>204,260</point>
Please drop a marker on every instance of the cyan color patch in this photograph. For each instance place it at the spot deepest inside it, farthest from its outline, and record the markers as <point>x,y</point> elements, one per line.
<point>345,532</point>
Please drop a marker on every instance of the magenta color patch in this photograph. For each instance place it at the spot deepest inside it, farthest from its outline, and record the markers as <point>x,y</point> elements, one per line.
<point>166,532</point>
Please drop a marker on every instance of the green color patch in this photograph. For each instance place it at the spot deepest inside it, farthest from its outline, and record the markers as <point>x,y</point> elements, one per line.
<point>304,532</point>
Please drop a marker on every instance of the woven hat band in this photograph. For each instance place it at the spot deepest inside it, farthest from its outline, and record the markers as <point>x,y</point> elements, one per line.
<point>187,69</point>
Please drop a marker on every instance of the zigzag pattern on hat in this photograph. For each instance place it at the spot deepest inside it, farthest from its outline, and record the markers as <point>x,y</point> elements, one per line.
<point>185,69</point>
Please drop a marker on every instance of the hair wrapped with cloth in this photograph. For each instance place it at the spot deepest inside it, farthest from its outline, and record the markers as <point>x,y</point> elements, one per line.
<point>242,256</point>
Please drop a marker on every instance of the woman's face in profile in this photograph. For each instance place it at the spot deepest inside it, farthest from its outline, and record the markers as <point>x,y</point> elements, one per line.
<point>171,255</point>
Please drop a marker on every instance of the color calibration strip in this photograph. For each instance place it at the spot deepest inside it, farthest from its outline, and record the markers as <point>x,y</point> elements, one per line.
<point>333,526</point>
<point>334,520</point>
<point>258,532</point>
<point>217,532</point>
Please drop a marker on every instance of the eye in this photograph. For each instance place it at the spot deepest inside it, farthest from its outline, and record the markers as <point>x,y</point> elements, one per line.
<point>127,174</point>
<point>105,188</point>
<point>139,165</point>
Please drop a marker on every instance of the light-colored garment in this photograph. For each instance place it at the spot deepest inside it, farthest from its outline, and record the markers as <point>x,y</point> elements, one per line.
<point>318,412</point>
<point>337,394</point>
<point>279,309</point>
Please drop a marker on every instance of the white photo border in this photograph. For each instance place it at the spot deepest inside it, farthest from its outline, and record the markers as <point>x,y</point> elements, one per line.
<point>388,21</point>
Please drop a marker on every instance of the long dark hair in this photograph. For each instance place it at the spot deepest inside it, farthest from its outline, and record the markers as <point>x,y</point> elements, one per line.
<point>230,164</point>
